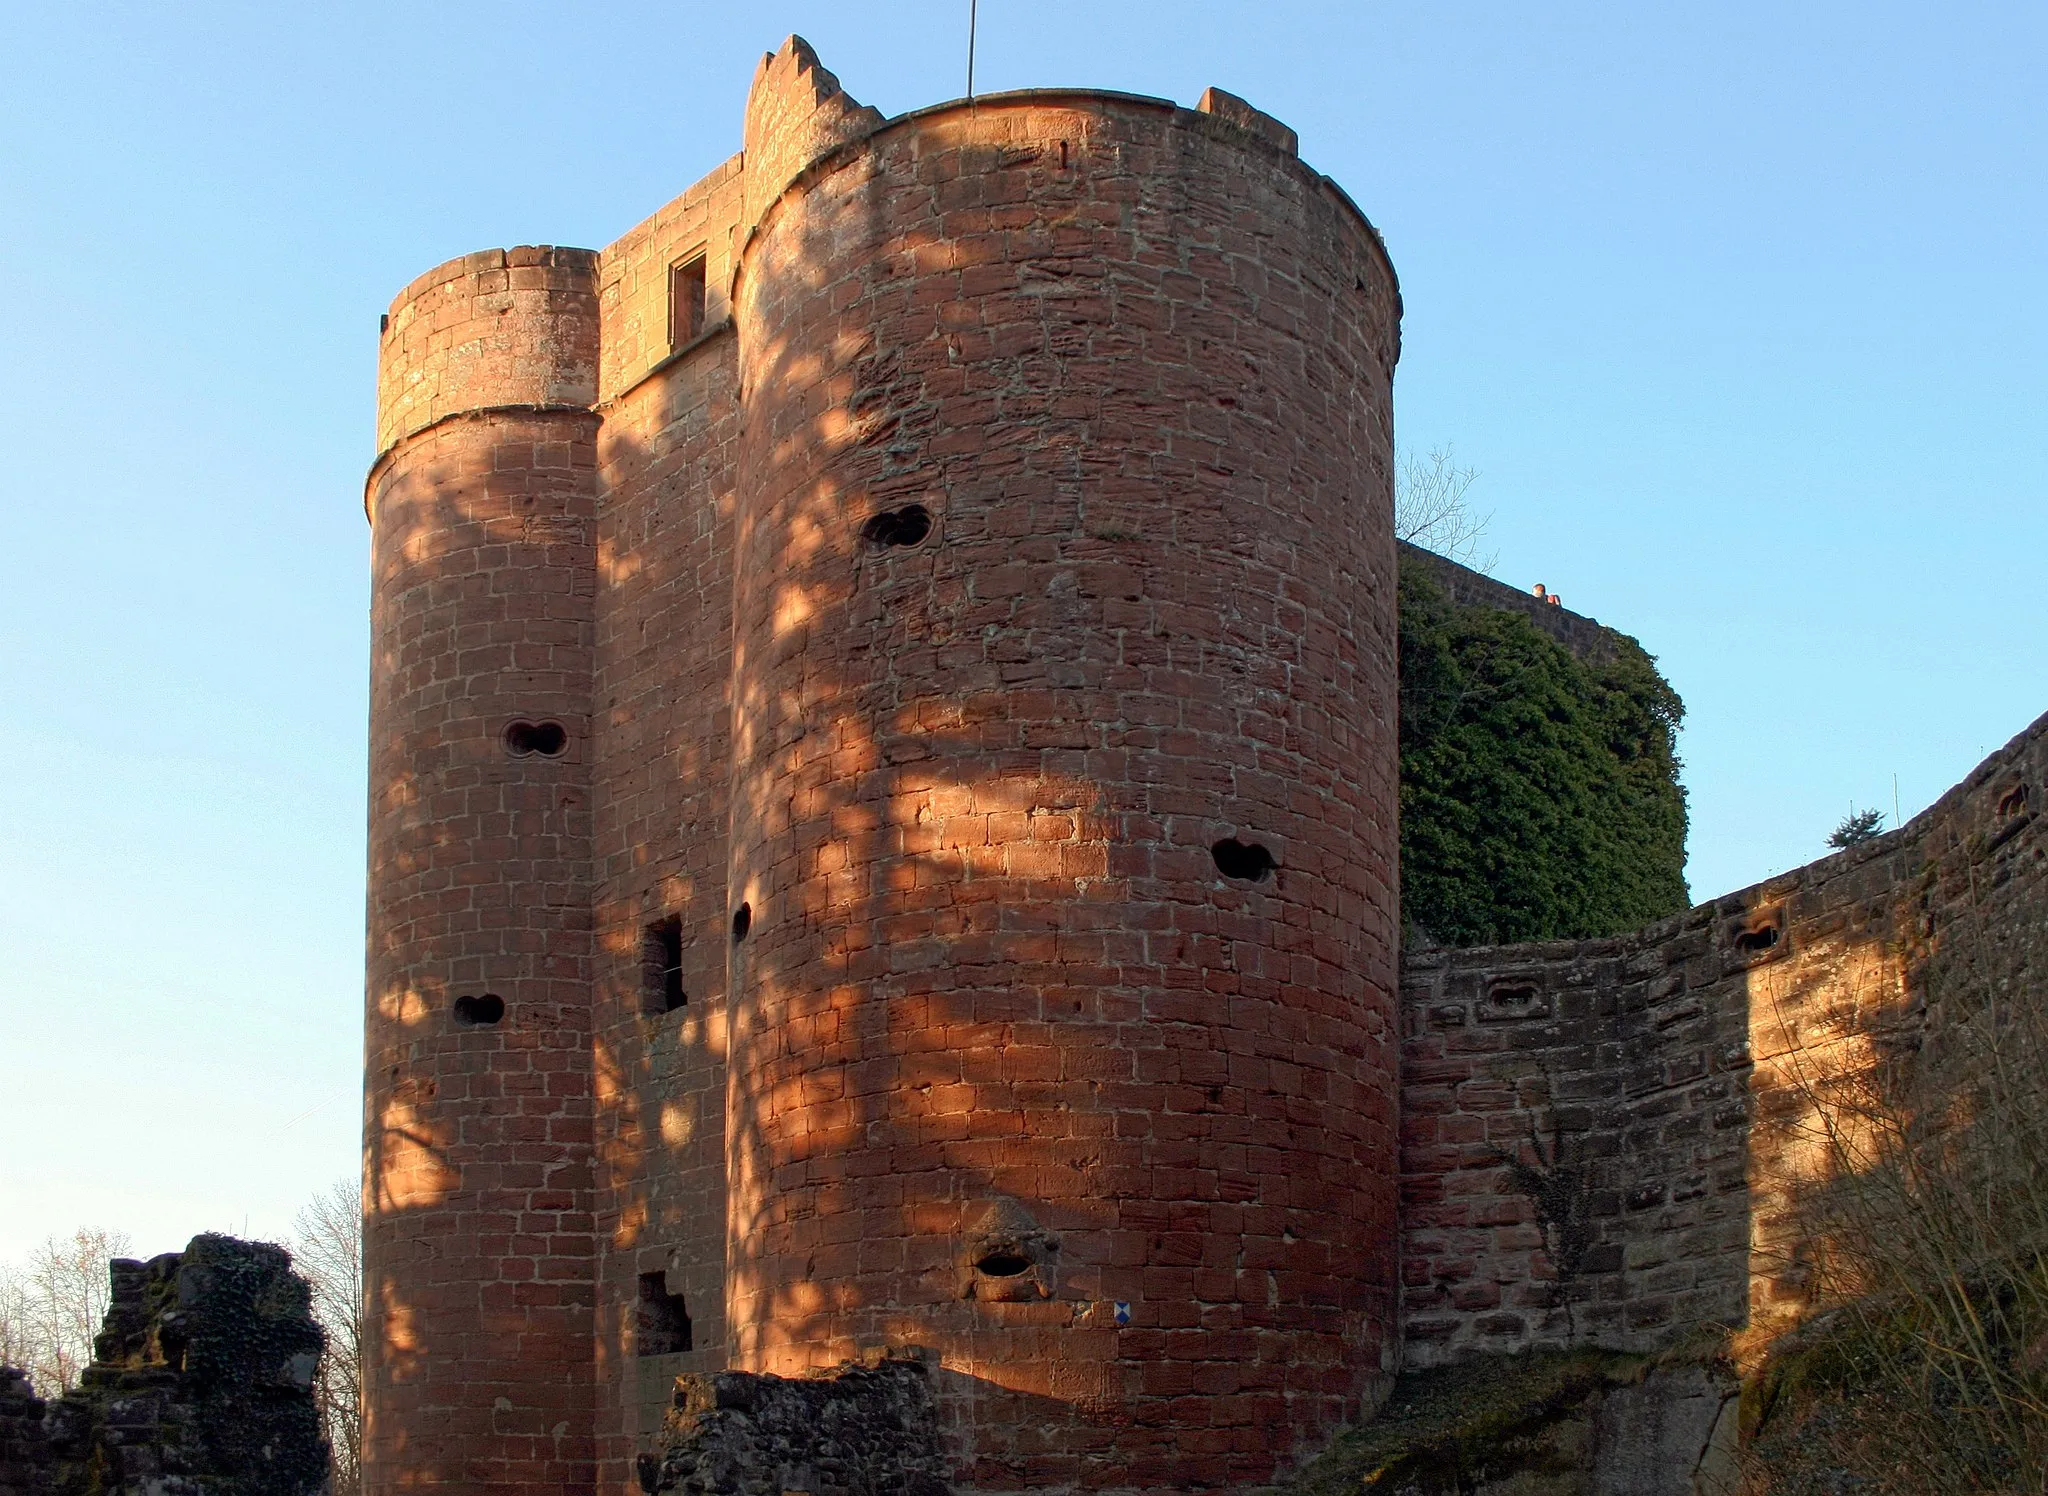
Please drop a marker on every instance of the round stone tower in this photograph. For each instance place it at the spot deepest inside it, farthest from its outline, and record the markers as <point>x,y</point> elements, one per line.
<point>1063,846</point>
<point>477,1231</point>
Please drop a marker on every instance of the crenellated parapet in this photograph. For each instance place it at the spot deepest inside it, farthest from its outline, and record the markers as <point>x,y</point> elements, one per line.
<point>796,112</point>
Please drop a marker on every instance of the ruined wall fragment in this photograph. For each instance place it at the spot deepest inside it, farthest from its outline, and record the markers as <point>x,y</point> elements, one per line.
<point>854,1431</point>
<point>201,1382</point>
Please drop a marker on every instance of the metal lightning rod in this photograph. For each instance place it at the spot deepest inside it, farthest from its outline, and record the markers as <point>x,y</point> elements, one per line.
<point>972,5</point>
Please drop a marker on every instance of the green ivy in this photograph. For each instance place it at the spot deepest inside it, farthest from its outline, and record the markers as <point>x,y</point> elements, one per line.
<point>1539,791</point>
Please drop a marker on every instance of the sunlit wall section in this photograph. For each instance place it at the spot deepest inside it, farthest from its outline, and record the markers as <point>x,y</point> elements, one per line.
<point>1062,899</point>
<point>661,769</point>
<point>477,1237</point>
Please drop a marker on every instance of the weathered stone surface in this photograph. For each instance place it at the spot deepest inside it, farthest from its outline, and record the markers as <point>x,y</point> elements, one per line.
<point>1601,1139</point>
<point>1576,1423</point>
<point>24,1441</point>
<point>1673,1432</point>
<point>863,955</point>
<point>201,1385</point>
<point>1006,527</point>
<point>856,1431</point>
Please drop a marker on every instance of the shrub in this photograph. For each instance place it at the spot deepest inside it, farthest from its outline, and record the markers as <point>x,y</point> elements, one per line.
<point>1539,791</point>
<point>1857,827</point>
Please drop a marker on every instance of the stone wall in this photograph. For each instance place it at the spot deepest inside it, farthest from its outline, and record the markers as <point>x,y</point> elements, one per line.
<point>201,1382</point>
<point>498,327</point>
<point>634,279</point>
<point>854,1431</point>
<point>1001,1002</point>
<point>25,1468</point>
<point>662,754</point>
<point>890,670</point>
<point>1601,1139</point>
<point>1588,638</point>
<point>478,1243</point>
<point>1063,565</point>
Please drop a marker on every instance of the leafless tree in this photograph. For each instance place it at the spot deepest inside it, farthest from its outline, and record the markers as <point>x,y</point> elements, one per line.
<point>1430,508</point>
<point>17,1339</point>
<point>51,1308</point>
<point>327,1250</point>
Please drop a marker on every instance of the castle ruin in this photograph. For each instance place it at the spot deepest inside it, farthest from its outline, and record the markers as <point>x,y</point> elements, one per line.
<point>883,839</point>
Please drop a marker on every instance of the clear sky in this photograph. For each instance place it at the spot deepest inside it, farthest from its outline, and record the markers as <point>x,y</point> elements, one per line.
<point>1737,308</point>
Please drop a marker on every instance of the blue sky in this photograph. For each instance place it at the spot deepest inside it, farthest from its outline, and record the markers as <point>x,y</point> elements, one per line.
<point>1737,309</point>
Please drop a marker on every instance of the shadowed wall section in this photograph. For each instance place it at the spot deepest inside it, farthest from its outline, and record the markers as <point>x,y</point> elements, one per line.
<point>477,1184</point>
<point>1064,554</point>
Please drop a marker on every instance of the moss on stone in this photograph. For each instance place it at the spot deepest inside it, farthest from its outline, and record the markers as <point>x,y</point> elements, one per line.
<point>201,1381</point>
<point>1876,1397</point>
<point>1446,1429</point>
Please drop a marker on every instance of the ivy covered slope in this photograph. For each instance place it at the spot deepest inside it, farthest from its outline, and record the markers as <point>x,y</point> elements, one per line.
<point>1539,781</point>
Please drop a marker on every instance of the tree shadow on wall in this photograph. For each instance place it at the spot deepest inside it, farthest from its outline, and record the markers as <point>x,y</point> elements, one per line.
<point>1772,1112</point>
<point>978,949</point>
<point>1019,640</point>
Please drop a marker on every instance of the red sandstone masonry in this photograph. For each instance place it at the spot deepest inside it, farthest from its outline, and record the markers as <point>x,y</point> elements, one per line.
<point>996,1000</point>
<point>665,660</point>
<point>664,610</point>
<point>1656,1076</point>
<point>633,278</point>
<point>1136,359</point>
<point>478,1246</point>
<point>1136,366</point>
<point>500,327</point>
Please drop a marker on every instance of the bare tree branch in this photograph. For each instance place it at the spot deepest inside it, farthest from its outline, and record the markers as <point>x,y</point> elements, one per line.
<point>1430,508</point>
<point>327,1250</point>
<point>51,1309</point>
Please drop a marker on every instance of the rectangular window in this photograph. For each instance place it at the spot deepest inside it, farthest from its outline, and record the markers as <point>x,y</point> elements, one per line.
<point>661,1323</point>
<point>685,302</point>
<point>661,966</point>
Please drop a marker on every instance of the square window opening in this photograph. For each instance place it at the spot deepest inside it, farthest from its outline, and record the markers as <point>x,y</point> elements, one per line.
<point>661,1324</point>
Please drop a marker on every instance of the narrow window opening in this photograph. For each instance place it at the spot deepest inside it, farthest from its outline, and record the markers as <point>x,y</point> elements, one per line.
<point>898,527</point>
<point>1517,996</point>
<point>1246,860</point>
<point>471,1012</point>
<point>685,302</point>
<point>661,962</point>
<point>662,1322</point>
<point>742,921</point>
<point>548,739</point>
<point>1003,1263</point>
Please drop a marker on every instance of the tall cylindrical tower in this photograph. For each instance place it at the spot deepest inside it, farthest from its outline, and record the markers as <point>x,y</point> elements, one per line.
<point>1063,849</point>
<point>477,1125</point>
